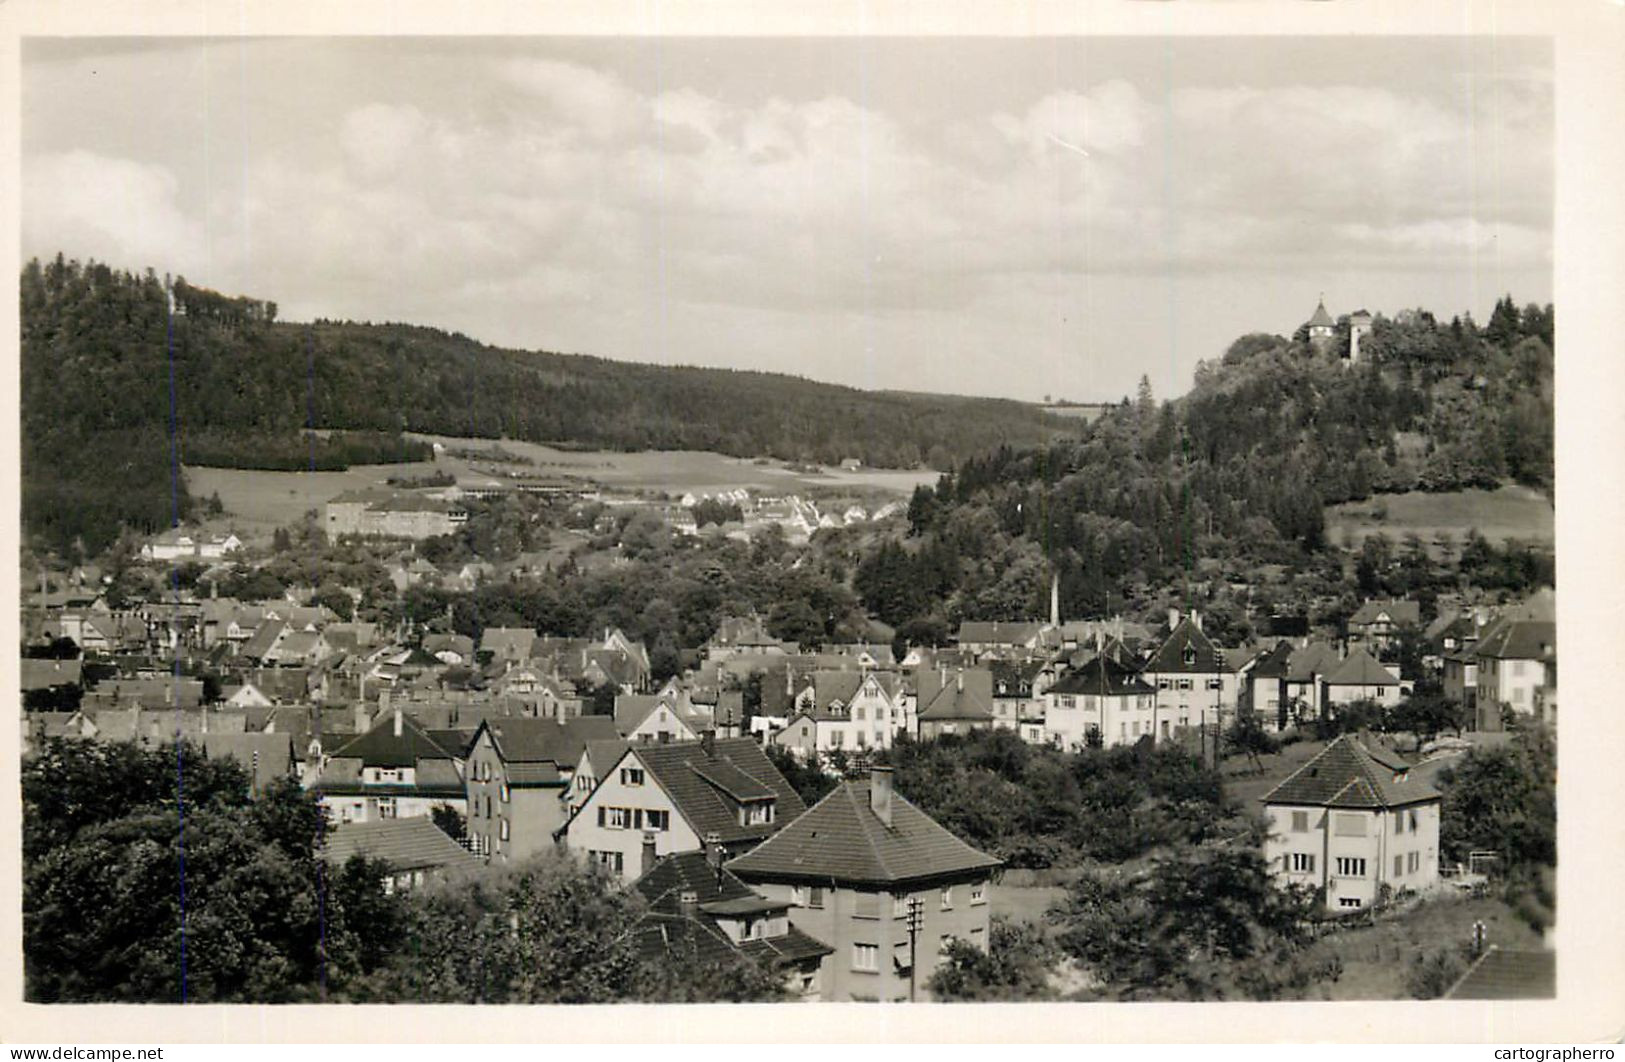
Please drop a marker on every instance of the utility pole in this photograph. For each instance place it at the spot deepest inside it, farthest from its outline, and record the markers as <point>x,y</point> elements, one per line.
<point>916,922</point>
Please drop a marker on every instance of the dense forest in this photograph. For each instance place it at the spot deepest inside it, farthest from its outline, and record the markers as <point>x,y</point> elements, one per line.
<point>1238,470</point>
<point>117,391</point>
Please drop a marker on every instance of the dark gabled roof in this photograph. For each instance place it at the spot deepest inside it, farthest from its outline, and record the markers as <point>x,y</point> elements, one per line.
<point>996,633</point>
<point>942,698</point>
<point>662,887</point>
<point>677,768</point>
<point>1518,639</point>
<point>1346,774</point>
<point>1275,663</point>
<point>558,741</point>
<point>44,674</point>
<point>1361,669</point>
<point>414,843</point>
<point>733,781</point>
<point>268,756</point>
<point>455,740</point>
<point>1170,656</point>
<point>1503,974</point>
<point>1316,658</point>
<point>381,747</point>
<point>794,946</point>
<point>604,754</point>
<point>1102,677</point>
<point>1398,612</point>
<point>842,839</point>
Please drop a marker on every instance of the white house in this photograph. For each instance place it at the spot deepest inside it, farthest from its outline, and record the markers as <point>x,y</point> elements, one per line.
<point>1354,823</point>
<point>681,795</point>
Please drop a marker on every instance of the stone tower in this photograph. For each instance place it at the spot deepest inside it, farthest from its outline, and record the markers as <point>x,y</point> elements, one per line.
<point>1321,328</point>
<point>1359,327</point>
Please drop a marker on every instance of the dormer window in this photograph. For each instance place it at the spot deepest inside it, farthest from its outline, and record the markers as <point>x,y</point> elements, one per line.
<point>756,813</point>
<point>1189,656</point>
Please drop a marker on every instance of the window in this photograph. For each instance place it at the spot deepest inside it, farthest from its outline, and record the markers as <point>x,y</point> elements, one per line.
<point>658,820</point>
<point>815,897</point>
<point>837,739</point>
<point>1215,684</point>
<point>948,898</point>
<point>474,810</point>
<point>865,957</point>
<point>858,714</point>
<point>1122,730</point>
<point>1189,656</point>
<point>386,807</point>
<point>1348,901</point>
<point>1185,684</point>
<point>631,776</point>
<point>1349,867</point>
<point>866,905</point>
<point>1165,684</point>
<point>1399,866</point>
<point>614,818</point>
<point>1399,822</point>
<point>899,905</point>
<point>609,860</point>
<point>504,792</point>
<point>1412,817</point>
<point>1413,862</point>
<point>1300,822</point>
<point>863,739</point>
<point>1303,862</point>
<point>502,825</point>
<point>978,893</point>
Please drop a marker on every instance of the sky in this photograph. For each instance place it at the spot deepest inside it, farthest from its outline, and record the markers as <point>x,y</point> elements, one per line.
<point>1021,217</point>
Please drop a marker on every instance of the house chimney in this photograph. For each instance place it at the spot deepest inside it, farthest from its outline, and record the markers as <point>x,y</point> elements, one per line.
<point>959,680</point>
<point>880,793</point>
<point>649,856</point>
<point>397,721</point>
<point>708,742</point>
<point>1173,618</point>
<point>714,853</point>
<point>1196,618</point>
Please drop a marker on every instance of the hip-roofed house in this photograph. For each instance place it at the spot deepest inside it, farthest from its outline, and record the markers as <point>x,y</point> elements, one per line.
<point>1352,821</point>
<point>852,866</point>
<point>687,794</point>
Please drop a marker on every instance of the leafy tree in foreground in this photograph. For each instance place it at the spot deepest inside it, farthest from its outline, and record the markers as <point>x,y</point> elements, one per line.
<point>1015,967</point>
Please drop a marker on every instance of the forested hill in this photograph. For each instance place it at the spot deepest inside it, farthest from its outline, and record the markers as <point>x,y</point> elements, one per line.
<point>99,399</point>
<point>1238,470</point>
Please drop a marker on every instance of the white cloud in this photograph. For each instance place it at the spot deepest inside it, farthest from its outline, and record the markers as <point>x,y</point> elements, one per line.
<point>122,211</point>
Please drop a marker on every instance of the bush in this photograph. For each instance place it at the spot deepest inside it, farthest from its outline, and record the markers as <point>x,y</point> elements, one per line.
<point>1432,973</point>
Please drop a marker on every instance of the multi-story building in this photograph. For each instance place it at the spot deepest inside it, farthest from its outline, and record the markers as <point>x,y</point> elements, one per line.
<point>1195,685</point>
<point>720,791</point>
<point>850,710</point>
<point>1512,656</point>
<point>1353,823</point>
<point>1103,697</point>
<point>854,868</point>
<point>518,778</point>
<point>393,771</point>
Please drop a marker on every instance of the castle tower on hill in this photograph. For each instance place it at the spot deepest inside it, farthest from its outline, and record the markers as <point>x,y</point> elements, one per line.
<point>1359,328</point>
<point>1321,328</point>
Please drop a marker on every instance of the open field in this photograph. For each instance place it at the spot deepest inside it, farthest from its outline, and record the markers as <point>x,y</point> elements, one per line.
<point>676,471</point>
<point>1508,512</point>
<point>258,502</point>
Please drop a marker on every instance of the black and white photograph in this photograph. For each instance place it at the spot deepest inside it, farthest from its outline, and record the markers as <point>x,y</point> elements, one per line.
<point>780,518</point>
